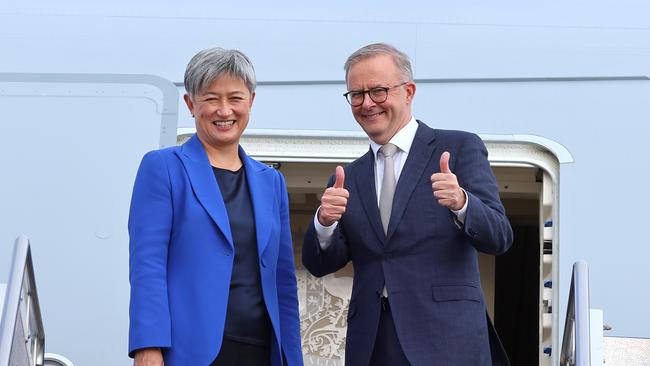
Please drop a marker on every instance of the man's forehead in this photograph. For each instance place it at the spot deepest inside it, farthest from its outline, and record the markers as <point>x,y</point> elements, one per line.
<point>368,81</point>
<point>377,68</point>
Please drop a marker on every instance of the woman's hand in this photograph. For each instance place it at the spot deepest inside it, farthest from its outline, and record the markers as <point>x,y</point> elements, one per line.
<point>149,357</point>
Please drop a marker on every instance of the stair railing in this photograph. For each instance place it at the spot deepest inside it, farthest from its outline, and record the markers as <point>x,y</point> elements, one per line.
<point>576,340</point>
<point>22,339</point>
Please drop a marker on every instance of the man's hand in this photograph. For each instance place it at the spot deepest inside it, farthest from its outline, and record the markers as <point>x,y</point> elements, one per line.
<point>149,357</point>
<point>445,186</point>
<point>334,200</point>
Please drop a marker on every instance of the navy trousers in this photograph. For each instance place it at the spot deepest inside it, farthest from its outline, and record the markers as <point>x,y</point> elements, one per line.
<point>387,350</point>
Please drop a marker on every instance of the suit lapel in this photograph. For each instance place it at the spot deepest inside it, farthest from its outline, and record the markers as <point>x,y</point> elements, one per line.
<point>365,181</point>
<point>418,157</point>
<point>261,188</point>
<point>204,184</point>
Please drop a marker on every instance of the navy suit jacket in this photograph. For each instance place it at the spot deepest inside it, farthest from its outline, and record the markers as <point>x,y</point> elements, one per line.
<point>427,261</point>
<point>181,257</point>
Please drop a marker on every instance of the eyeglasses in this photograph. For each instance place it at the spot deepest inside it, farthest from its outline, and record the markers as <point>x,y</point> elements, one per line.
<point>378,94</point>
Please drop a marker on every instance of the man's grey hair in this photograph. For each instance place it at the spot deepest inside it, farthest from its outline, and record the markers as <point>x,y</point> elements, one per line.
<point>210,64</point>
<point>377,49</point>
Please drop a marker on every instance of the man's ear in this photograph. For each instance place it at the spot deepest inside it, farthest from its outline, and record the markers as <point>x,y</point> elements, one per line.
<point>410,91</point>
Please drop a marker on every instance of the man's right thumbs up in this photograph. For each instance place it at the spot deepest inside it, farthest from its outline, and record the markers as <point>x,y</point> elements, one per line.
<point>340,177</point>
<point>445,186</point>
<point>334,200</point>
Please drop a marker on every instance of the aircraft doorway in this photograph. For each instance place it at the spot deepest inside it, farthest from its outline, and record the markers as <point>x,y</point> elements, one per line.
<point>511,282</point>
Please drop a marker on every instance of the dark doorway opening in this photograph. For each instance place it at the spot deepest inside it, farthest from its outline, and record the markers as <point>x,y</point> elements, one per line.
<point>517,291</point>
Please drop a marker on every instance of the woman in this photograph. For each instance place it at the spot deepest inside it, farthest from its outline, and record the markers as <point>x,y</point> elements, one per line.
<point>211,260</point>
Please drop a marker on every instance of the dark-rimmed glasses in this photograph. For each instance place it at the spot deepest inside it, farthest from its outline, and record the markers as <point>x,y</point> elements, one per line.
<point>377,94</point>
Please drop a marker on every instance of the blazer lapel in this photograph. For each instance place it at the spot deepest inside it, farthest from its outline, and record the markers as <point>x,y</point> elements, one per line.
<point>418,157</point>
<point>365,181</point>
<point>204,184</point>
<point>261,188</point>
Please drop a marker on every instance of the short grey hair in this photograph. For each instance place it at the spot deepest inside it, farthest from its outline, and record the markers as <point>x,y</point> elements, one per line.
<point>210,64</point>
<point>377,49</point>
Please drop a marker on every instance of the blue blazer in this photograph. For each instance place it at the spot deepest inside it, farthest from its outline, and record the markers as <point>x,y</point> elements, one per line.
<point>181,257</point>
<point>427,261</point>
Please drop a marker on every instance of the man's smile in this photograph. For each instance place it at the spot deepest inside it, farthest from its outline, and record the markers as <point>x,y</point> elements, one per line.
<point>372,115</point>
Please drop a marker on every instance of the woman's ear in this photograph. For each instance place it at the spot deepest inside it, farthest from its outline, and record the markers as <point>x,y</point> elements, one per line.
<point>190,104</point>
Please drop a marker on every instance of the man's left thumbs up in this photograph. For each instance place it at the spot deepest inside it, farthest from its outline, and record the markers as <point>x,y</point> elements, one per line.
<point>445,186</point>
<point>444,162</point>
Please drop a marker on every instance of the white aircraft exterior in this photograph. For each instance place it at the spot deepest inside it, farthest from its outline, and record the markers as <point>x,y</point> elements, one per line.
<point>558,91</point>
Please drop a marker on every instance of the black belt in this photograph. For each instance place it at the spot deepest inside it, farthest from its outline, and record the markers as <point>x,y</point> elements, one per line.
<point>384,303</point>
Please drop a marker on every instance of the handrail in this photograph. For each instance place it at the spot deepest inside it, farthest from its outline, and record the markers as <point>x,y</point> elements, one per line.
<point>575,344</point>
<point>22,339</point>
<point>52,359</point>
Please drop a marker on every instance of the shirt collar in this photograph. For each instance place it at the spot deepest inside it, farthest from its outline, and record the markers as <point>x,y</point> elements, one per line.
<point>403,139</point>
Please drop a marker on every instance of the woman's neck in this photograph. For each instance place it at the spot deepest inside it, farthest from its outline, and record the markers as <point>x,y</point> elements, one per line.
<point>224,157</point>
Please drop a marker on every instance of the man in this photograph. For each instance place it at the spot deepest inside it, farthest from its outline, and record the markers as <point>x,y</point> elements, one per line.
<point>411,221</point>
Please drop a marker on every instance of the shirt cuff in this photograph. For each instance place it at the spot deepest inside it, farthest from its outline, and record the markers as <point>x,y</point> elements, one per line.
<point>460,214</point>
<point>324,233</point>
